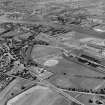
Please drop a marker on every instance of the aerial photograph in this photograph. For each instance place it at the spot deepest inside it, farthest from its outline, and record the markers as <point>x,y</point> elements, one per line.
<point>52,52</point>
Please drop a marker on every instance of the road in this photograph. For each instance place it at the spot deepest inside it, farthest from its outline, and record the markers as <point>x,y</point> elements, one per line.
<point>60,91</point>
<point>85,93</point>
<point>54,88</point>
<point>95,88</point>
<point>4,92</point>
<point>46,82</point>
<point>66,56</point>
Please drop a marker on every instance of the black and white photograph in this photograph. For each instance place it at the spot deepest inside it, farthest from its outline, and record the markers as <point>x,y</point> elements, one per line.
<point>52,52</point>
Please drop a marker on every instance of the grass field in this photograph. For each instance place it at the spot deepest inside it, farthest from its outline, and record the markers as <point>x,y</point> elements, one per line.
<point>71,68</point>
<point>38,95</point>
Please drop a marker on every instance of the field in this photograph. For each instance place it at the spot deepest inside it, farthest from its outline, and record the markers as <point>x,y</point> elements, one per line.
<point>58,23</point>
<point>38,95</point>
